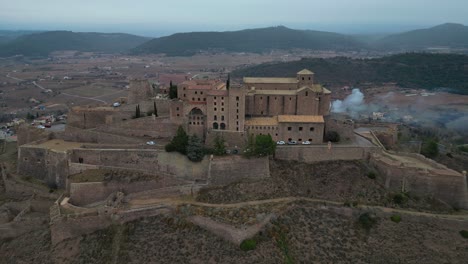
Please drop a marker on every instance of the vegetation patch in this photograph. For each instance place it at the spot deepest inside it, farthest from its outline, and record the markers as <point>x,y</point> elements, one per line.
<point>367,221</point>
<point>400,198</point>
<point>464,233</point>
<point>371,175</point>
<point>248,244</point>
<point>395,218</point>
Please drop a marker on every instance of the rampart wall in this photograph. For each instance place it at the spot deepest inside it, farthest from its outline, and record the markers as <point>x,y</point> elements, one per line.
<point>84,193</point>
<point>27,134</point>
<point>152,161</point>
<point>315,153</point>
<point>439,182</point>
<point>43,164</point>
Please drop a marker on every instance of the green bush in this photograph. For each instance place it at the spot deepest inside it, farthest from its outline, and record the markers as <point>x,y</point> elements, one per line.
<point>371,175</point>
<point>395,218</point>
<point>464,234</point>
<point>367,221</point>
<point>248,244</point>
<point>400,198</point>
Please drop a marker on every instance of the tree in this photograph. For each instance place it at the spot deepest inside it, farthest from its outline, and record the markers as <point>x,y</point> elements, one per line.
<point>264,145</point>
<point>195,149</point>
<point>155,109</point>
<point>332,136</point>
<point>228,81</point>
<point>430,149</point>
<point>219,147</point>
<point>179,142</point>
<point>137,112</point>
<point>172,91</point>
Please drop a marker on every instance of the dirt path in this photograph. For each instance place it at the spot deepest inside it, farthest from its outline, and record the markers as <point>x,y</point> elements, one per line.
<point>174,202</point>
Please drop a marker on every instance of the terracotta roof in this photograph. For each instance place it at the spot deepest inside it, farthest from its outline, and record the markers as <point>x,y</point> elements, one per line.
<point>305,71</point>
<point>269,80</point>
<point>261,121</point>
<point>300,119</point>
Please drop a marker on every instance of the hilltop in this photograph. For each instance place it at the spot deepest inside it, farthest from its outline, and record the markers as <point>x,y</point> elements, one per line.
<point>445,35</point>
<point>249,40</point>
<point>417,70</point>
<point>41,44</point>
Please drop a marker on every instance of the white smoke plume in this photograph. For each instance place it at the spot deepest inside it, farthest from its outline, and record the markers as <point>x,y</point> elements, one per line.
<point>352,104</point>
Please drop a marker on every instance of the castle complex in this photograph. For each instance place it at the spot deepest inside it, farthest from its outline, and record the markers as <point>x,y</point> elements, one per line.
<point>289,109</point>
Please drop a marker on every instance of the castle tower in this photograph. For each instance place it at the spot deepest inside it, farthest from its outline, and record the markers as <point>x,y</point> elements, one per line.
<point>140,90</point>
<point>305,78</point>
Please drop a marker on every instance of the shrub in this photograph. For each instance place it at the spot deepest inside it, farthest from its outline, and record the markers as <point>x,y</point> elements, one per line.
<point>395,218</point>
<point>400,198</point>
<point>371,175</point>
<point>219,146</point>
<point>464,234</point>
<point>248,244</point>
<point>367,221</point>
<point>430,149</point>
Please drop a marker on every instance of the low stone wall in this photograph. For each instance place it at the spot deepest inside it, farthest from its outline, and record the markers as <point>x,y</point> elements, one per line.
<point>322,153</point>
<point>441,183</point>
<point>226,170</point>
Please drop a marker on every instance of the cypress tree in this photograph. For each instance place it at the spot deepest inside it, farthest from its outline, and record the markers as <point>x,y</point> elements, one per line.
<point>228,81</point>
<point>155,109</point>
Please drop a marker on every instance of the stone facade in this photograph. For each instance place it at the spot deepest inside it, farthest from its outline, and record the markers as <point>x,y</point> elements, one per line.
<point>260,106</point>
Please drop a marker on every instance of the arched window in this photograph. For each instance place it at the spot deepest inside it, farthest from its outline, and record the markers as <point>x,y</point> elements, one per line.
<point>215,125</point>
<point>223,126</point>
<point>215,117</point>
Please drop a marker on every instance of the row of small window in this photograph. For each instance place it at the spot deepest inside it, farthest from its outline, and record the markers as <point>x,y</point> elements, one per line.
<point>196,123</point>
<point>222,103</point>
<point>301,129</point>
<point>195,117</point>
<point>198,99</point>
<point>216,109</point>
<point>264,127</point>
<point>216,118</point>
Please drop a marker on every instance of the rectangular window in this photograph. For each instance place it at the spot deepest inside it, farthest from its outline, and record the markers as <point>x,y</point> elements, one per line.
<point>300,128</point>
<point>177,108</point>
<point>215,118</point>
<point>311,129</point>
<point>222,109</point>
<point>196,92</point>
<point>289,128</point>
<point>237,98</point>
<point>222,118</point>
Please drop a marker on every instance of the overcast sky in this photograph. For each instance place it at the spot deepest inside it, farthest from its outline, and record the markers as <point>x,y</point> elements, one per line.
<point>155,17</point>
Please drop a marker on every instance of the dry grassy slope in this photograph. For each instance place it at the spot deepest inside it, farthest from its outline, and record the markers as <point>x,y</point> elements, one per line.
<point>345,181</point>
<point>303,235</point>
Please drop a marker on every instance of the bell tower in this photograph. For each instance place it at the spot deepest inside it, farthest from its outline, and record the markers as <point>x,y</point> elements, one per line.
<point>305,78</point>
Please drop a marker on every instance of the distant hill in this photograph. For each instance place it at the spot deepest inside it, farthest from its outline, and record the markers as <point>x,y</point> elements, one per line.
<point>41,44</point>
<point>416,70</point>
<point>9,35</point>
<point>249,40</point>
<point>445,35</point>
